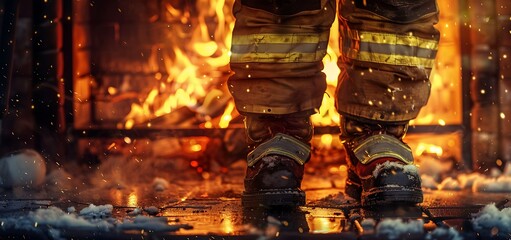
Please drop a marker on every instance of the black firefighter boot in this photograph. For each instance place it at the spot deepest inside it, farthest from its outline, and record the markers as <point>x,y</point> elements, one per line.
<point>381,169</point>
<point>281,147</point>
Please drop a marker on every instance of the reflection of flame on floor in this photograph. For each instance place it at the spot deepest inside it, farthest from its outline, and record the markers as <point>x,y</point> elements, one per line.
<point>227,222</point>
<point>132,199</point>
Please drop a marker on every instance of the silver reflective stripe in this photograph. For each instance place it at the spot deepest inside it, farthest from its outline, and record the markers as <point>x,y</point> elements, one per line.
<point>383,145</point>
<point>279,47</point>
<point>283,145</point>
<point>397,50</point>
<point>392,49</point>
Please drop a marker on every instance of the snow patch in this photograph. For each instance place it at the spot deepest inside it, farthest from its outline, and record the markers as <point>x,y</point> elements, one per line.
<point>94,212</point>
<point>269,161</point>
<point>467,180</point>
<point>494,172</point>
<point>135,212</point>
<point>441,233</point>
<point>24,168</point>
<point>368,225</point>
<point>507,170</point>
<point>428,182</point>
<point>71,209</point>
<point>449,184</point>
<point>412,169</point>
<point>152,210</point>
<point>434,167</point>
<point>396,228</point>
<point>499,184</point>
<point>160,184</point>
<point>151,224</point>
<point>495,181</point>
<point>491,220</point>
<point>57,218</point>
<point>50,221</point>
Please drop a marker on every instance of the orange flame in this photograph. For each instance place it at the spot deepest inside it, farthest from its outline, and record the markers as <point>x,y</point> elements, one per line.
<point>192,53</point>
<point>198,52</point>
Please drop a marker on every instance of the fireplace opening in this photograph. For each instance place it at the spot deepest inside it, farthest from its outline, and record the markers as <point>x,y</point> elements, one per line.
<point>159,69</point>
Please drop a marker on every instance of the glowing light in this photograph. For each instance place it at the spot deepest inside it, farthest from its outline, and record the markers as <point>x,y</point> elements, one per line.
<point>112,145</point>
<point>326,139</point>
<point>322,225</point>
<point>227,116</point>
<point>129,124</point>
<point>186,196</point>
<point>194,163</point>
<point>196,148</point>
<point>205,49</point>
<point>499,162</point>
<point>227,223</point>
<point>127,140</point>
<point>132,199</point>
<point>158,76</point>
<point>424,148</point>
<point>112,90</point>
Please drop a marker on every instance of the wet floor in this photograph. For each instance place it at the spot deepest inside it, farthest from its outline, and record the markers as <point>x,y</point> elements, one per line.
<point>211,208</point>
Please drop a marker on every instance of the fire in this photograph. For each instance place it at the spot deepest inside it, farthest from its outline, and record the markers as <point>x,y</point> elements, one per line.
<point>424,148</point>
<point>201,49</point>
<point>227,222</point>
<point>182,84</point>
<point>132,199</point>
<point>227,116</point>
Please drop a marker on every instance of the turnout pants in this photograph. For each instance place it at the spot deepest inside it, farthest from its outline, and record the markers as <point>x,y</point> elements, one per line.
<point>388,49</point>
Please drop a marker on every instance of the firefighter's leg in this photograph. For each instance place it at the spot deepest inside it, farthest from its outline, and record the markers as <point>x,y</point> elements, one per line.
<point>388,51</point>
<point>277,48</point>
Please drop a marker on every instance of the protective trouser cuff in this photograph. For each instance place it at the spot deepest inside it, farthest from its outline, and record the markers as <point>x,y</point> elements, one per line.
<point>382,145</point>
<point>283,145</point>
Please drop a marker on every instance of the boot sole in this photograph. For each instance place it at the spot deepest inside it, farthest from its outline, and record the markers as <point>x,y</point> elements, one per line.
<point>392,196</point>
<point>273,198</point>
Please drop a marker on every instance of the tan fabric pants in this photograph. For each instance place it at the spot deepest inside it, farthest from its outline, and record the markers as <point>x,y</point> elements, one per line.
<point>387,56</point>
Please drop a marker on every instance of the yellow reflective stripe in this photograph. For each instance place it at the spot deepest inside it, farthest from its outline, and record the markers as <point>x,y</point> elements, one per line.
<point>278,57</point>
<point>279,48</point>
<point>394,59</point>
<point>276,38</point>
<point>395,39</point>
